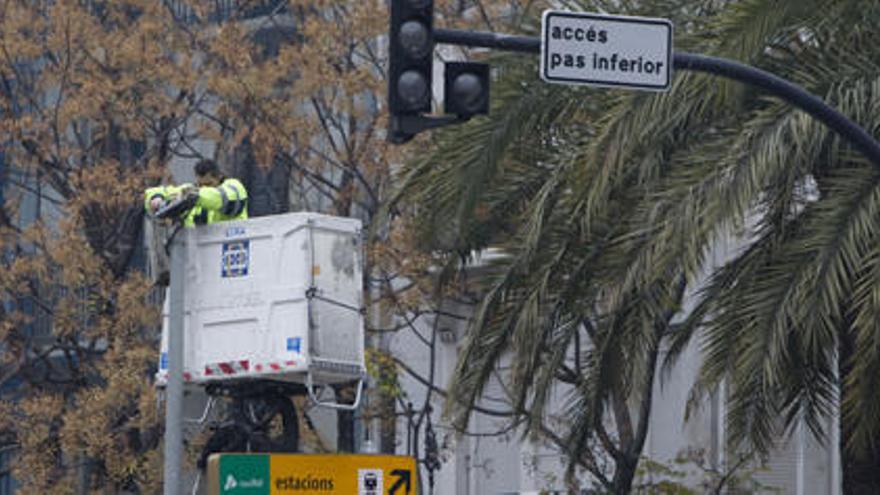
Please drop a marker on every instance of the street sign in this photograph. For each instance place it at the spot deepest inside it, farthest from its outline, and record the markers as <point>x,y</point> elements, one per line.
<point>311,474</point>
<point>604,50</point>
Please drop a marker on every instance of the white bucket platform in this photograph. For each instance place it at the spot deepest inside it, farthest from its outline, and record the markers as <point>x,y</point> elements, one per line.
<point>275,298</point>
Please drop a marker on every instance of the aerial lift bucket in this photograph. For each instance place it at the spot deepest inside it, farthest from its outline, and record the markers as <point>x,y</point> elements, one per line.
<point>274,298</point>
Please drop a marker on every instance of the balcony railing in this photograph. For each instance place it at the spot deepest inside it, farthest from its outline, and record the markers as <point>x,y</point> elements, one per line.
<point>221,10</point>
<point>225,10</point>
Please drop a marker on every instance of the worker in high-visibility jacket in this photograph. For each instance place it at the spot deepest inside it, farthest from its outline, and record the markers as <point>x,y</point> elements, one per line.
<point>157,197</point>
<point>217,198</point>
<point>221,198</point>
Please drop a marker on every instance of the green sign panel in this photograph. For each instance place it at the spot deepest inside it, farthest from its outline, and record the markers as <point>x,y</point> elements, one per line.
<point>244,475</point>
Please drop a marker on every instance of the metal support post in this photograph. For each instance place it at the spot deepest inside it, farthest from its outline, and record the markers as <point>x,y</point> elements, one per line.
<point>174,387</point>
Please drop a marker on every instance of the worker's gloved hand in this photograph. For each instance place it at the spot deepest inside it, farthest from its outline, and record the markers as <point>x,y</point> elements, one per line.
<point>189,197</point>
<point>189,190</point>
<point>180,206</point>
<point>156,204</point>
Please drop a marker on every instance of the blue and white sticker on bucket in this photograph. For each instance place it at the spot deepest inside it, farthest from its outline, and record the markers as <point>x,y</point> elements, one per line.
<point>294,344</point>
<point>235,259</point>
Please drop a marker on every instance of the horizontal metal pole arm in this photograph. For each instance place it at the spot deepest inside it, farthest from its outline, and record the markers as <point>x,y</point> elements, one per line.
<point>501,41</point>
<point>788,91</point>
<point>730,69</point>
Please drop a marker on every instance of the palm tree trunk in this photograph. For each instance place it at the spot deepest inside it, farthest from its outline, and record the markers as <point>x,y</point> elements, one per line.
<point>625,464</point>
<point>624,473</point>
<point>861,470</point>
<point>633,442</point>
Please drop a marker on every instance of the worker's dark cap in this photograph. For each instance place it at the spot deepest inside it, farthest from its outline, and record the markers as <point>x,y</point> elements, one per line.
<point>207,166</point>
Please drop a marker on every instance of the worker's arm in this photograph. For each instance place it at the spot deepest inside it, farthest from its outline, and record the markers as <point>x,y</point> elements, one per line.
<point>156,197</point>
<point>227,198</point>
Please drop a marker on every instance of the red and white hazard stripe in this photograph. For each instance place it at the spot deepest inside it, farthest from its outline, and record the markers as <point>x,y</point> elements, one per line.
<point>273,366</point>
<point>231,369</point>
<point>227,368</point>
<point>162,377</point>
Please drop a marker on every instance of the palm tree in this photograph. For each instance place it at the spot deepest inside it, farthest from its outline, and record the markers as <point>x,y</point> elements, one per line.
<point>608,204</point>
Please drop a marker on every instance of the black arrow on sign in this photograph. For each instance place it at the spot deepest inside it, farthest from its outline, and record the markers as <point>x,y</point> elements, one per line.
<point>403,477</point>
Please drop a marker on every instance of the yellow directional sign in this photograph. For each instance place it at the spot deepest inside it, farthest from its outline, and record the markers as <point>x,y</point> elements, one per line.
<point>311,474</point>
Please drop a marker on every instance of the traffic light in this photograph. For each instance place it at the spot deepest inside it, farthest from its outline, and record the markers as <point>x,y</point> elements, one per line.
<point>466,88</point>
<point>411,57</point>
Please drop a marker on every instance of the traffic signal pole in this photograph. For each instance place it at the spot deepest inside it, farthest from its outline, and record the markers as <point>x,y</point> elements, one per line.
<point>722,67</point>
<point>483,39</point>
<point>786,90</point>
<point>173,457</point>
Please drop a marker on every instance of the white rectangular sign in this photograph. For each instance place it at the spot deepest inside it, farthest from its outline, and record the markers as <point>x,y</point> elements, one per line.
<point>604,50</point>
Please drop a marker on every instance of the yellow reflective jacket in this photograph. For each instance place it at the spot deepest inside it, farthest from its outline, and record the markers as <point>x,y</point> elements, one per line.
<point>228,201</point>
<point>167,193</point>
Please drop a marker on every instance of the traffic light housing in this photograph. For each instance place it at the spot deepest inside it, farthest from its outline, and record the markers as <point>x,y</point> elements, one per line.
<point>410,75</point>
<point>411,57</point>
<point>466,88</point>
